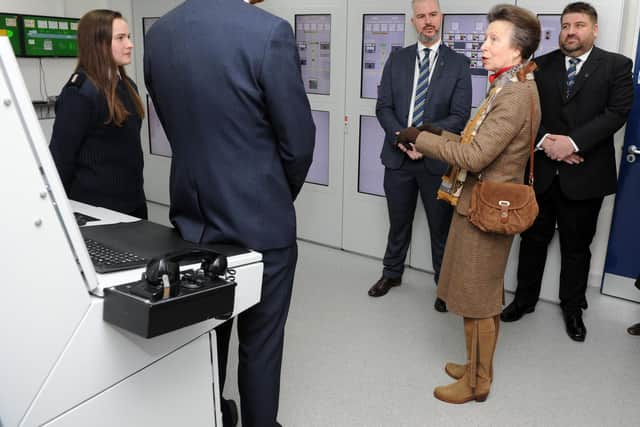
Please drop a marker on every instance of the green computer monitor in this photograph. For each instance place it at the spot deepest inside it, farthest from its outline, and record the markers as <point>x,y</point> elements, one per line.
<point>46,36</point>
<point>10,22</point>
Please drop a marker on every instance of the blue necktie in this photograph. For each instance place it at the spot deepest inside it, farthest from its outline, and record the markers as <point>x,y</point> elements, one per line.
<point>572,72</point>
<point>421,89</point>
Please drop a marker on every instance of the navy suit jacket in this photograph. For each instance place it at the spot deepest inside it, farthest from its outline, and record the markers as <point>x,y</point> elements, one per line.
<point>597,107</point>
<point>448,102</point>
<point>225,79</point>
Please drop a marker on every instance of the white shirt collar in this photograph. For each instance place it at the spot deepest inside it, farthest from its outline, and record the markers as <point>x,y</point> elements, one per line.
<point>583,58</point>
<point>434,48</point>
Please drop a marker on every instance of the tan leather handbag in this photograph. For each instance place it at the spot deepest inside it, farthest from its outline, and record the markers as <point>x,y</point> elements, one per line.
<point>502,207</point>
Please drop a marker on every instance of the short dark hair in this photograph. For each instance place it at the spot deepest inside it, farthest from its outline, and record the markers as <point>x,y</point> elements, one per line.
<point>526,27</point>
<point>581,7</point>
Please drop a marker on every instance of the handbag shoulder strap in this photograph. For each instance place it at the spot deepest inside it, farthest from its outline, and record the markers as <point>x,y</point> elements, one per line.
<point>526,74</point>
<point>531,145</point>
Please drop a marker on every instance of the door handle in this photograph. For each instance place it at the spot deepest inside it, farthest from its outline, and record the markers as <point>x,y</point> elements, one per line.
<point>632,151</point>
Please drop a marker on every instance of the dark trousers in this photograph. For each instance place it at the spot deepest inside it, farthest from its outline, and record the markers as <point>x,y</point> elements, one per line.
<point>261,337</point>
<point>577,221</point>
<point>401,187</point>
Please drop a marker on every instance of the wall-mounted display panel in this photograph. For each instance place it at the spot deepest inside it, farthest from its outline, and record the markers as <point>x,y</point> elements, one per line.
<point>550,32</point>
<point>365,216</point>
<point>370,168</point>
<point>9,22</point>
<point>319,207</point>
<point>319,170</point>
<point>313,37</point>
<point>158,141</point>
<point>381,35</point>
<point>48,36</point>
<point>464,33</point>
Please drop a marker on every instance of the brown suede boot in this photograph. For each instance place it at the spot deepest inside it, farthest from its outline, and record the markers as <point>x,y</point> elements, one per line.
<point>463,390</point>
<point>457,370</point>
<point>487,340</point>
<point>476,380</point>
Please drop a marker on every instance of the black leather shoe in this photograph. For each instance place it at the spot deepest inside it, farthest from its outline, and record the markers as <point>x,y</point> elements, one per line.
<point>383,285</point>
<point>514,312</point>
<point>229,413</point>
<point>575,326</point>
<point>440,305</point>
<point>634,329</point>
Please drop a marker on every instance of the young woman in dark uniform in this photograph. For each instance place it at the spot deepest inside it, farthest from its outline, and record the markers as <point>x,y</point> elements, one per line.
<point>96,134</point>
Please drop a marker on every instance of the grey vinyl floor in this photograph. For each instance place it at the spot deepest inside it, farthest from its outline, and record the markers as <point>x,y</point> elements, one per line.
<point>353,360</point>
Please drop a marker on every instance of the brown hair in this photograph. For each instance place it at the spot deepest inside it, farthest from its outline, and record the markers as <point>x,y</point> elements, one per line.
<point>581,7</point>
<point>95,32</point>
<point>526,27</point>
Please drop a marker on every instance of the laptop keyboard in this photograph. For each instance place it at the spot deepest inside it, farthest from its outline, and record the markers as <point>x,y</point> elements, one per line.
<point>107,260</point>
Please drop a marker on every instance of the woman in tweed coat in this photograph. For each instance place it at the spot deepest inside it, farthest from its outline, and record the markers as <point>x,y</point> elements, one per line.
<point>495,143</point>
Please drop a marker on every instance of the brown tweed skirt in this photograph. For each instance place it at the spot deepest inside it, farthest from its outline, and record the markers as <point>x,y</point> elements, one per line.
<point>472,273</point>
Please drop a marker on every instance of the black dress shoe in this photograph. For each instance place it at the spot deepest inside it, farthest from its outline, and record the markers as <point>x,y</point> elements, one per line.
<point>514,312</point>
<point>229,413</point>
<point>440,305</point>
<point>383,285</point>
<point>634,329</point>
<point>575,326</point>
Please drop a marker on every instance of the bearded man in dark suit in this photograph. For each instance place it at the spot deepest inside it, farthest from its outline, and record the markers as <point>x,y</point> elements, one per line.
<point>585,94</point>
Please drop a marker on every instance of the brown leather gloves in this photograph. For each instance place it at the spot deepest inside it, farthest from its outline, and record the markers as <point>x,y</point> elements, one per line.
<point>409,135</point>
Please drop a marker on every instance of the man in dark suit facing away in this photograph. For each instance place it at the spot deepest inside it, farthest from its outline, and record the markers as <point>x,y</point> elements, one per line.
<point>225,79</point>
<point>419,86</point>
<point>585,95</point>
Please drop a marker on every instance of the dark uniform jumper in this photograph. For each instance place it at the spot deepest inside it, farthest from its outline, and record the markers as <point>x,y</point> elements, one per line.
<point>99,164</point>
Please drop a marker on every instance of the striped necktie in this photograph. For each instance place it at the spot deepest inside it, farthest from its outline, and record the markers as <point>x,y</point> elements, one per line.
<point>421,89</point>
<point>572,72</point>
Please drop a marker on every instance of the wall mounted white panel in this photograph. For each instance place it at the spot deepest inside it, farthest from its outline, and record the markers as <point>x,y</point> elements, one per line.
<point>319,207</point>
<point>366,221</point>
